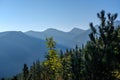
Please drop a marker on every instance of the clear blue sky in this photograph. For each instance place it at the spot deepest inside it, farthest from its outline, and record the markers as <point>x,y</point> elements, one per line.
<point>38,15</point>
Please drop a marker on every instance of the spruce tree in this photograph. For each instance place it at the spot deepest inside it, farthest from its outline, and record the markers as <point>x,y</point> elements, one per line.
<point>76,63</point>
<point>52,64</point>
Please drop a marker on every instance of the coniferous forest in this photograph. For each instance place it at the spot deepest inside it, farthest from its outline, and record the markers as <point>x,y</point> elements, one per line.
<point>98,59</point>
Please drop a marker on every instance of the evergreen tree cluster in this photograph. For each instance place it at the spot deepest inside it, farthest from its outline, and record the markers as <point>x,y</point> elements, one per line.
<point>99,59</point>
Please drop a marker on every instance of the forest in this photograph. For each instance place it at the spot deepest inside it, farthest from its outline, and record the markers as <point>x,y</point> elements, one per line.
<point>98,59</point>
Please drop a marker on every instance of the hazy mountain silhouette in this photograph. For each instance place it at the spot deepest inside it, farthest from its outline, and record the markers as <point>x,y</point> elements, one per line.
<point>63,38</point>
<point>70,39</point>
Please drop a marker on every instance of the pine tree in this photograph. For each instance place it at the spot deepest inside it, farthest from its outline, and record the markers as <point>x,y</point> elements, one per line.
<point>100,51</point>
<point>61,54</point>
<point>14,78</point>
<point>66,62</point>
<point>25,72</point>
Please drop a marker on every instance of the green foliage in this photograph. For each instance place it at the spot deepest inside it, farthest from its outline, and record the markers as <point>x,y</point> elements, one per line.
<point>100,51</point>
<point>50,43</point>
<point>52,64</point>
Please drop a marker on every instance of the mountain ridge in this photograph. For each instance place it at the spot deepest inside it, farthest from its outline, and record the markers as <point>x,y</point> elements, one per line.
<point>70,38</point>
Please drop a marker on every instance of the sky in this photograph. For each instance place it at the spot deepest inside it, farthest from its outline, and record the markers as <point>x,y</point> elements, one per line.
<point>39,15</point>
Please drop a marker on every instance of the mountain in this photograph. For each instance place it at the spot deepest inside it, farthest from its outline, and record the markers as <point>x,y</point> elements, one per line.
<point>63,38</point>
<point>82,38</point>
<point>17,48</point>
<point>76,31</point>
<point>70,39</point>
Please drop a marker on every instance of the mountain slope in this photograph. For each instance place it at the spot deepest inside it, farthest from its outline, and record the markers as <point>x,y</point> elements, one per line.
<point>17,48</point>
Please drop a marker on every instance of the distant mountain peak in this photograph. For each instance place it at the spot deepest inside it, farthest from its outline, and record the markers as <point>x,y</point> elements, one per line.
<point>76,30</point>
<point>50,30</point>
